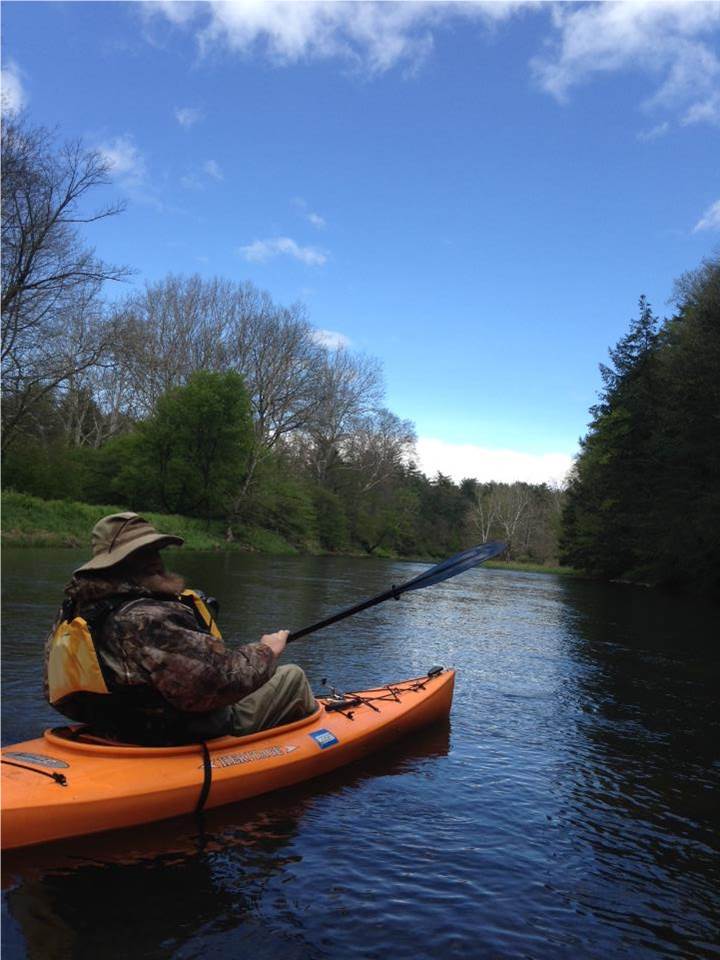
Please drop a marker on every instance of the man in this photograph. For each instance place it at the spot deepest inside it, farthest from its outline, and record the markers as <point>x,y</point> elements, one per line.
<point>140,658</point>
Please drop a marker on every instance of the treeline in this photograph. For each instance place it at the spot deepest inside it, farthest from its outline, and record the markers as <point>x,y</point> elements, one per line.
<point>643,501</point>
<point>205,397</point>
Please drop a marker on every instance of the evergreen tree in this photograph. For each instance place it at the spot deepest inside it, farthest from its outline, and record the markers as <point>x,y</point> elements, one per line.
<point>644,498</point>
<point>606,516</point>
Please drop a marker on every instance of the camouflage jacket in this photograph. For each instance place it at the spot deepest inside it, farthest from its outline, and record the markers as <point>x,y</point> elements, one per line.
<point>160,666</point>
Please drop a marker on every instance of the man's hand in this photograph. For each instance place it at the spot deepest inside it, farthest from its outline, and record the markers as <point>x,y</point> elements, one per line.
<point>276,641</point>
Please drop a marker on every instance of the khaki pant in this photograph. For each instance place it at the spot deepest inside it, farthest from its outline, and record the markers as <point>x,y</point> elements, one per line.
<point>285,697</point>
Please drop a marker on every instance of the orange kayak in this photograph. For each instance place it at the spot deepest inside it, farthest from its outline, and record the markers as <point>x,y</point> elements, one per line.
<point>69,784</point>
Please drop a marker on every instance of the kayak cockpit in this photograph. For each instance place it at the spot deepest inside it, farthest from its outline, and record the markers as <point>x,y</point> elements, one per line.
<point>82,739</point>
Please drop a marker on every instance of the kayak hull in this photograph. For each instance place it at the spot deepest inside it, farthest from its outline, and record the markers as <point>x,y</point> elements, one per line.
<point>55,787</point>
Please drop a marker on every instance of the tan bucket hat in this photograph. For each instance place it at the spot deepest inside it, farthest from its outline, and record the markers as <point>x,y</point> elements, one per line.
<point>117,536</point>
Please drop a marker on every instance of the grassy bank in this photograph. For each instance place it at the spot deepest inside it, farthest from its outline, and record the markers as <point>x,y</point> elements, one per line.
<point>31,522</point>
<point>533,568</point>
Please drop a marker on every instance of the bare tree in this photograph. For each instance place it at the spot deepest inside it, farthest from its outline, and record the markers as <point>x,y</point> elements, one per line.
<point>183,324</point>
<point>349,389</point>
<point>275,350</point>
<point>50,281</point>
<point>169,330</point>
<point>483,510</point>
<point>510,502</point>
<point>380,444</point>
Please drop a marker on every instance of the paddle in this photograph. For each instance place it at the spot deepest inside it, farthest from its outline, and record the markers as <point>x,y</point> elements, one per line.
<point>441,571</point>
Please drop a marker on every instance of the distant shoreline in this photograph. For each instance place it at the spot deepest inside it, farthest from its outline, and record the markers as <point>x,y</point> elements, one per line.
<point>29,521</point>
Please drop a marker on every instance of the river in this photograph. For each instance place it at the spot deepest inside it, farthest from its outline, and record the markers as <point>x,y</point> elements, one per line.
<point>570,809</point>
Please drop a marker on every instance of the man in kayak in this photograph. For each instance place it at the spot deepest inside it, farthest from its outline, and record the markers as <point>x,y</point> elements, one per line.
<point>140,658</point>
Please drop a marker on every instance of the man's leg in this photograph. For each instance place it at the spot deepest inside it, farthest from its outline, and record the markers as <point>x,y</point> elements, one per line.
<point>285,697</point>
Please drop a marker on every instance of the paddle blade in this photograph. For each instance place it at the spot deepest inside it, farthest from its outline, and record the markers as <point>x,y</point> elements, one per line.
<point>455,565</point>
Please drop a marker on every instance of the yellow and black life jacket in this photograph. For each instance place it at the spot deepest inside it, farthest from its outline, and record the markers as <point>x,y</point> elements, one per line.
<point>73,664</point>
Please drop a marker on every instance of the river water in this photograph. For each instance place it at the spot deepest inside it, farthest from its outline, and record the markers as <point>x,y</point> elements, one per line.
<point>570,809</point>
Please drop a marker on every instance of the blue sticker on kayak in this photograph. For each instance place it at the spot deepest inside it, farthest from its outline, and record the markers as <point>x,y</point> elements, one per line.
<point>324,739</point>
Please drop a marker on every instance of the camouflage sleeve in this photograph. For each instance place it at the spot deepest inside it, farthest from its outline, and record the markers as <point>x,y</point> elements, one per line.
<point>192,671</point>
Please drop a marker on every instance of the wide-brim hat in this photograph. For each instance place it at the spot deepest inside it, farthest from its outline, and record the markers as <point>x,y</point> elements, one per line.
<point>115,537</point>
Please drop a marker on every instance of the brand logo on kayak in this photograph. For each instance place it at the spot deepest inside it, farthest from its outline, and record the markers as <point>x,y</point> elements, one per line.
<point>37,758</point>
<point>324,739</point>
<point>248,756</point>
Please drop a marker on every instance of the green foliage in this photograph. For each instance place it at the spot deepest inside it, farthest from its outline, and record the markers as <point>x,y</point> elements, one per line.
<point>281,501</point>
<point>332,526</point>
<point>191,455</point>
<point>644,501</point>
<point>442,515</point>
<point>384,519</point>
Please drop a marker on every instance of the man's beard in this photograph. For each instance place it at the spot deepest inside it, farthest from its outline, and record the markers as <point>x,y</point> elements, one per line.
<point>167,582</point>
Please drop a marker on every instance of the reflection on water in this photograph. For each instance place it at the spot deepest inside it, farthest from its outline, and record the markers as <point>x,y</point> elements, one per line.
<point>569,811</point>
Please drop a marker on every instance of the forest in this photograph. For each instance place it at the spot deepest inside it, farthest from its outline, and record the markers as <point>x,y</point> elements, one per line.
<point>206,398</point>
<point>643,498</point>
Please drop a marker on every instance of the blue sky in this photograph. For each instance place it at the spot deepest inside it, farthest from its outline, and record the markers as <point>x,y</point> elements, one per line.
<point>476,194</point>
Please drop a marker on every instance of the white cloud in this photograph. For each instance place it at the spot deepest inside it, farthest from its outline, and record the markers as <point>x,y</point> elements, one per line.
<point>710,220</point>
<point>125,160</point>
<point>654,133</point>
<point>178,12</point>
<point>316,220</point>
<point>188,116</point>
<point>460,460</point>
<point>212,169</point>
<point>14,97</point>
<point>372,36</point>
<point>704,111</point>
<point>259,251</point>
<point>663,39</point>
<point>331,339</point>
<point>668,41</point>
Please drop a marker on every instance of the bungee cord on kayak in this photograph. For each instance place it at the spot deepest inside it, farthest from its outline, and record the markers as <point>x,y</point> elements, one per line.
<point>54,775</point>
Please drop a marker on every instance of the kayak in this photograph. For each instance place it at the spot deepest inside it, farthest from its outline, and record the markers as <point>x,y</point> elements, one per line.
<point>69,783</point>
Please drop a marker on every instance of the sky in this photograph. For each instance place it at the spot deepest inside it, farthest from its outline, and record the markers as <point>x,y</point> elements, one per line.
<point>475,193</point>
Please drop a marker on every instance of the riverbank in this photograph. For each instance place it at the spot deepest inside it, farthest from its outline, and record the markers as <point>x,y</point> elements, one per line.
<point>31,522</point>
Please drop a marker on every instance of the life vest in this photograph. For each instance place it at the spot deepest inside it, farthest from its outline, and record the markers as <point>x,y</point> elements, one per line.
<point>73,664</point>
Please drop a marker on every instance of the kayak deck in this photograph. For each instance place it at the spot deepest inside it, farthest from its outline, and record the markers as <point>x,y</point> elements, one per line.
<point>67,784</point>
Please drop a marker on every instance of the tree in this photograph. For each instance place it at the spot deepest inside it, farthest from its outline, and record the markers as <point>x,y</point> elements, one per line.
<point>683,542</point>
<point>349,389</point>
<point>168,331</point>
<point>276,351</point>
<point>378,446</point>
<point>643,501</point>
<point>611,488</point>
<point>483,507</point>
<point>182,324</point>
<point>51,317</point>
<point>193,451</point>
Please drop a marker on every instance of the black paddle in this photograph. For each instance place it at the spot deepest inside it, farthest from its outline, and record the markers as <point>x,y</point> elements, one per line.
<point>441,571</point>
